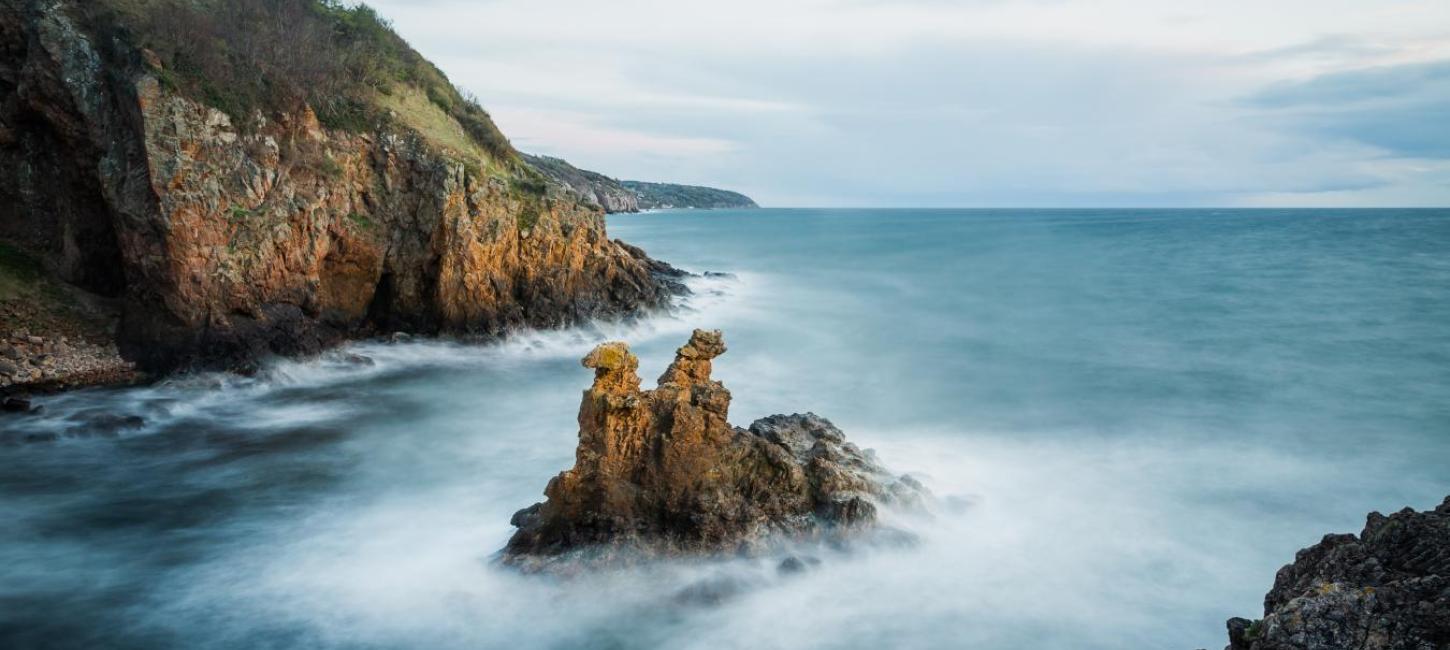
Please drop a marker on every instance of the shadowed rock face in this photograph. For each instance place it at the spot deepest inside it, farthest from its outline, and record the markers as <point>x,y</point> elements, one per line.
<point>662,473</point>
<point>1386,589</point>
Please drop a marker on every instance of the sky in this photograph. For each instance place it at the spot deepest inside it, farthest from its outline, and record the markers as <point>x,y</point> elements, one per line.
<point>970,103</point>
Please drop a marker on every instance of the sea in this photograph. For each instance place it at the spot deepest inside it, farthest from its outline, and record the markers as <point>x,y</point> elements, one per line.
<point>1130,419</point>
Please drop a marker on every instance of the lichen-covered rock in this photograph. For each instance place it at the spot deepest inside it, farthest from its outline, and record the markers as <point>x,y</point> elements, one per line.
<point>1386,589</point>
<point>662,473</point>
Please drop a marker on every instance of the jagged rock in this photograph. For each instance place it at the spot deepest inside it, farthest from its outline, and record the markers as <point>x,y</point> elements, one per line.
<point>1386,589</point>
<point>662,473</point>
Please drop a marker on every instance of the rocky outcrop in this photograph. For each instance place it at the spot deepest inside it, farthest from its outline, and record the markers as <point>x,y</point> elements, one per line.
<point>227,239</point>
<point>654,196</point>
<point>591,188</point>
<point>1386,589</point>
<point>38,362</point>
<point>662,473</point>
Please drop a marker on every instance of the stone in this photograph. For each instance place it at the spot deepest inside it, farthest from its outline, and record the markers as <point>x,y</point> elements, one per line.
<point>355,359</point>
<point>661,473</point>
<point>8,368</point>
<point>16,404</point>
<point>1386,589</point>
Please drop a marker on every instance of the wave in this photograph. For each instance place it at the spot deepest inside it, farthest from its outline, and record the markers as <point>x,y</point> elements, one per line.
<point>258,401</point>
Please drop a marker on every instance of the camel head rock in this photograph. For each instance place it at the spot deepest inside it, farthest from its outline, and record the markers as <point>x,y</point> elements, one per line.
<point>661,473</point>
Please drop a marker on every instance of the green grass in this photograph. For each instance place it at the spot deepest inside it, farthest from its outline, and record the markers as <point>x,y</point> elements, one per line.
<point>330,167</point>
<point>361,221</point>
<point>341,58</point>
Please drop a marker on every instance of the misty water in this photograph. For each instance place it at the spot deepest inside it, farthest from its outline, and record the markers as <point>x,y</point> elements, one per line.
<point>1131,419</point>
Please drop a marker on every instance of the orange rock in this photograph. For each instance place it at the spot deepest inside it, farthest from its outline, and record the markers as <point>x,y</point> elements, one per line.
<point>661,473</point>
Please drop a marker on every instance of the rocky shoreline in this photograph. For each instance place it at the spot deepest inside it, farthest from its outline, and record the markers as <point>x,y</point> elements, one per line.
<point>39,364</point>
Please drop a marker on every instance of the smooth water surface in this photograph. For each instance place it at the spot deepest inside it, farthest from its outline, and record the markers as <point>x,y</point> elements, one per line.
<point>1132,419</point>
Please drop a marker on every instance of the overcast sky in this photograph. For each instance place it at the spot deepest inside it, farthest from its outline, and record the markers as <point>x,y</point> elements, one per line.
<point>970,102</point>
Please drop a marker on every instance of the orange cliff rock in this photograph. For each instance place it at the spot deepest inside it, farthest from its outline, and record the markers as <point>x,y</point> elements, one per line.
<point>662,473</point>
<point>228,238</point>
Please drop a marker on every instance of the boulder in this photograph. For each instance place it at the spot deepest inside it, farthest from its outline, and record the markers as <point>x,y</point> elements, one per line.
<point>1386,589</point>
<point>661,473</point>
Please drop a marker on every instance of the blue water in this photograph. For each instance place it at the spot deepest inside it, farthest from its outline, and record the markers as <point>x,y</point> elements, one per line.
<point>1132,418</point>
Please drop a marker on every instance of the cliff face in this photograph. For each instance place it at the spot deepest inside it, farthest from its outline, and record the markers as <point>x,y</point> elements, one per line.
<point>1386,589</point>
<point>662,473</point>
<point>224,241</point>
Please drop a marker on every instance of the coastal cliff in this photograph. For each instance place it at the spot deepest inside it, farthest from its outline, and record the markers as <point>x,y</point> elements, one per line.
<point>661,473</point>
<point>152,162</point>
<point>656,196</point>
<point>1387,588</point>
<point>598,190</point>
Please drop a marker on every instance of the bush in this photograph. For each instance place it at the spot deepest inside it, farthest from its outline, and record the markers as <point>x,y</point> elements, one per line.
<point>274,56</point>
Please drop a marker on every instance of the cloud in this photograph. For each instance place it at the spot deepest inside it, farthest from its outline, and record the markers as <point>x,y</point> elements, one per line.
<point>1403,110</point>
<point>979,102</point>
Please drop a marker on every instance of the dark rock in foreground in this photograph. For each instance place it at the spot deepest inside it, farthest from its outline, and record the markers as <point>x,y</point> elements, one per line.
<point>661,473</point>
<point>1386,589</point>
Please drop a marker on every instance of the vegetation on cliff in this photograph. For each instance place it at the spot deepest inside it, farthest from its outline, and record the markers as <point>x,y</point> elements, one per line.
<point>598,190</point>
<point>666,195</point>
<point>275,56</point>
<point>592,188</point>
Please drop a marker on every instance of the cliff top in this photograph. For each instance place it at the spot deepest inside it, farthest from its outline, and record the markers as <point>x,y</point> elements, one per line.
<point>271,57</point>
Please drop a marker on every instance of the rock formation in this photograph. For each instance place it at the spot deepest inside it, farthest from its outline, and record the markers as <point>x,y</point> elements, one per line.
<point>226,237</point>
<point>662,473</point>
<point>1386,589</point>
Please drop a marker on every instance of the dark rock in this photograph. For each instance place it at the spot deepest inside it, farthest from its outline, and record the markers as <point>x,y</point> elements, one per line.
<point>796,564</point>
<point>661,473</point>
<point>359,360</point>
<point>1386,589</point>
<point>16,404</point>
<point>108,425</point>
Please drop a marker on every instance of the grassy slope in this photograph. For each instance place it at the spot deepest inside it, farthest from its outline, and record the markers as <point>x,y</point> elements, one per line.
<point>273,56</point>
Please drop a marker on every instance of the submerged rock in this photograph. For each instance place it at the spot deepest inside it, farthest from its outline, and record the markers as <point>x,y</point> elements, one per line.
<point>1386,589</point>
<point>662,473</point>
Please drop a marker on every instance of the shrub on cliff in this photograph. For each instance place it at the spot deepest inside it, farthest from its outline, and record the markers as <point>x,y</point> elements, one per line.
<point>241,56</point>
